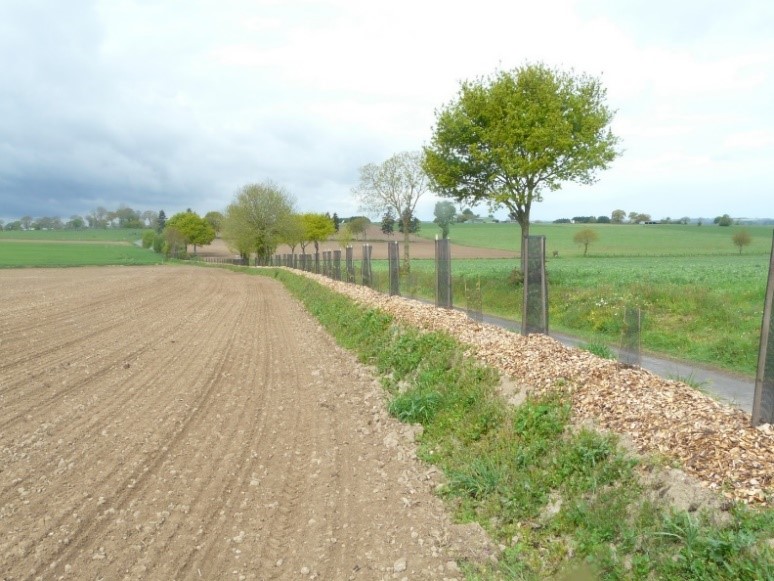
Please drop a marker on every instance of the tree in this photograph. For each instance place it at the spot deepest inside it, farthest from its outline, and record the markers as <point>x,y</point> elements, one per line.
<point>603,220</point>
<point>409,222</point>
<point>584,238</point>
<point>617,216</point>
<point>741,239</point>
<point>724,220</point>
<point>255,219</point>
<point>293,232</point>
<point>174,242</point>
<point>336,221</point>
<point>317,228</point>
<point>75,223</point>
<point>26,222</point>
<point>127,218</point>
<point>214,219</point>
<point>685,220</point>
<point>161,221</point>
<point>358,225</point>
<point>511,137</point>
<point>194,229</point>
<point>345,236</point>
<point>149,218</point>
<point>638,218</point>
<point>396,183</point>
<point>444,213</point>
<point>388,222</point>
<point>466,215</point>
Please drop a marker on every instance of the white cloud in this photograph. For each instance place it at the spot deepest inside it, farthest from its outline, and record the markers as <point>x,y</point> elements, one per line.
<point>175,104</point>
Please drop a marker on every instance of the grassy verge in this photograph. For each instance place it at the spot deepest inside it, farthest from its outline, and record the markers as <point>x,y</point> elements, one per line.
<point>562,501</point>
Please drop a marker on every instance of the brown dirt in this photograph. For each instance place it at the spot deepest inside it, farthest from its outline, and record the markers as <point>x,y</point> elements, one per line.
<point>187,423</point>
<point>419,247</point>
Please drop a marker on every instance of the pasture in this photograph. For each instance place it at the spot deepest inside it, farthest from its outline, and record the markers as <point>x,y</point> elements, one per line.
<point>614,239</point>
<point>86,235</point>
<point>59,248</point>
<point>702,299</point>
<point>40,253</point>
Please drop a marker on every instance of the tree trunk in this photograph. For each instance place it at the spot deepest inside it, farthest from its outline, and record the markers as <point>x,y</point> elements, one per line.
<point>406,257</point>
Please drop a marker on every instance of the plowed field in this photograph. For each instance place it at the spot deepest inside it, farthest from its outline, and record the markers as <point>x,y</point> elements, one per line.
<point>188,423</point>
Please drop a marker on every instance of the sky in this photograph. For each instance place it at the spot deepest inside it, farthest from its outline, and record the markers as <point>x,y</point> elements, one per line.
<point>167,104</point>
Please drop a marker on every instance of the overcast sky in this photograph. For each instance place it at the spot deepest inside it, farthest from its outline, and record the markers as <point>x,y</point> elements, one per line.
<point>174,104</point>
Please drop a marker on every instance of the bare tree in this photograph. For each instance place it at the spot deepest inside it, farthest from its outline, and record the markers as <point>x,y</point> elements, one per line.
<point>396,183</point>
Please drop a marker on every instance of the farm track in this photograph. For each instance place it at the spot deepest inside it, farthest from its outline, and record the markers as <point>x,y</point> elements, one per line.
<point>187,423</point>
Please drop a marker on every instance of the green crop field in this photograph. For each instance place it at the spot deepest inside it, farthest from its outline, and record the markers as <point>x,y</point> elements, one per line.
<point>94,235</point>
<point>16,254</point>
<point>702,308</point>
<point>614,239</point>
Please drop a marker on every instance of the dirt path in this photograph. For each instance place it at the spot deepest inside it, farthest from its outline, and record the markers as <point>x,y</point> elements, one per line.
<point>187,423</point>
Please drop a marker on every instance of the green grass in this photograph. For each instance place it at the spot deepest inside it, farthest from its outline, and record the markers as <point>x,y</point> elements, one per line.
<point>701,308</point>
<point>614,239</point>
<point>52,254</point>
<point>562,501</point>
<point>108,234</point>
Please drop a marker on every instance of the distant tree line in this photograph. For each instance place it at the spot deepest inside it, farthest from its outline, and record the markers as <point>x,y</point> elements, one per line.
<point>621,217</point>
<point>99,218</point>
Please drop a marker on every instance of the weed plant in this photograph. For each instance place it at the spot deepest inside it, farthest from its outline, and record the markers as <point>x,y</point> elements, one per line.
<point>564,502</point>
<point>599,349</point>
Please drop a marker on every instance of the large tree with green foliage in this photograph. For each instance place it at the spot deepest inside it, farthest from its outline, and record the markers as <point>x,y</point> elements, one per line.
<point>508,138</point>
<point>398,183</point>
<point>317,228</point>
<point>254,221</point>
<point>194,229</point>
<point>214,219</point>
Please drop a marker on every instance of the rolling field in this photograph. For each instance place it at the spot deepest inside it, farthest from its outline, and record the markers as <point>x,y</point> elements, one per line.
<point>614,239</point>
<point>19,253</point>
<point>58,248</point>
<point>190,423</point>
<point>702,300</point>
<point>702,308</point>
<point>89,235</point>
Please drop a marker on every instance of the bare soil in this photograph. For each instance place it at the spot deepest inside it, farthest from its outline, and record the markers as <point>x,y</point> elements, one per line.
<point>418,247</point>
<point>188,423</point>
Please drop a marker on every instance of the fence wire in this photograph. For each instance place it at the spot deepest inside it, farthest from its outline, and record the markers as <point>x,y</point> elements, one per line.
<point>393,257</point>
<point>763,401</point>
<point>535,308</point>
<point>350,264</point>
<point>629,354</point>
<point>474,304</point>
<point>443,276</point>
<point>367,275</point>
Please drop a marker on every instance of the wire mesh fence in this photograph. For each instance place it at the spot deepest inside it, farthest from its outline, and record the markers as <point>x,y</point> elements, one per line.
<point>366,272</point>
<point>443,276</point>
<point>763,400</point>
<point>393,258</point>
<point>350,264</point>
<point>535,307</point>
<point>629,353</point>
<point>474,305</point>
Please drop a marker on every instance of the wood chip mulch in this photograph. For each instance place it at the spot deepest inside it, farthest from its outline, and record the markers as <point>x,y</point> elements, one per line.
<point>711,440</point>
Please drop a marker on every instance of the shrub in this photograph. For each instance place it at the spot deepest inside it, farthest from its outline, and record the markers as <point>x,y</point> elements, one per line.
<point>148,236</point>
